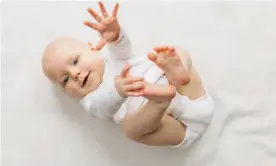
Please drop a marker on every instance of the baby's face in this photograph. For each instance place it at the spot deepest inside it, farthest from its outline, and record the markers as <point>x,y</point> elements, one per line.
<point>73,66</point>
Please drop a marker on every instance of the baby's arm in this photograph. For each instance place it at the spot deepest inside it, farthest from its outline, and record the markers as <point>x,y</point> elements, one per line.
<point>121,49</point>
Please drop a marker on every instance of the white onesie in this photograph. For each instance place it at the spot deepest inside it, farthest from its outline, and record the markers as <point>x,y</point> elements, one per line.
<point>106,103</point>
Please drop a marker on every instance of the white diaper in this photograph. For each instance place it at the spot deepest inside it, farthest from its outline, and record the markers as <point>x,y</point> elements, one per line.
<point>195,114</point>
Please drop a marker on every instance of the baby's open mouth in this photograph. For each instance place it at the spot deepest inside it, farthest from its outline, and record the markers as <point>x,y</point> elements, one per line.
<point>85,79</point>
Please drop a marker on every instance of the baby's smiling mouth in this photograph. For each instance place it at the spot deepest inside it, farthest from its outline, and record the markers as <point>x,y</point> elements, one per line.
<point>85,79</point>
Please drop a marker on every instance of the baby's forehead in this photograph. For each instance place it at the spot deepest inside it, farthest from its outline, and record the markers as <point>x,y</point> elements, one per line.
<point>64,47</point>
<point>61,49</point>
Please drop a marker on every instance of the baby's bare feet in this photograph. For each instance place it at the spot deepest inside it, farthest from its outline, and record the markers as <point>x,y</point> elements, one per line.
<point>169,61</point>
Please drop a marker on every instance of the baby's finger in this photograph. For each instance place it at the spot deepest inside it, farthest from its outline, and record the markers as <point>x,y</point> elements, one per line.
<point>101,44</point>
<point>103,10</point>
<point>94,14</point>
<point>91,25</point>
<point>130,80</point>
<point>91,46</point>
<point>131,87</point>
<point>115,10</point>
<point>125,71</point>
<point>135,94</point>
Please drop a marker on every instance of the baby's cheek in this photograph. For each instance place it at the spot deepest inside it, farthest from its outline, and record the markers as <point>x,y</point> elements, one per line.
<point>87,63</point>
<point>73,90</point>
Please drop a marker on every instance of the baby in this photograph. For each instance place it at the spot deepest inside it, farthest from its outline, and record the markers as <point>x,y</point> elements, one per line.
<point>159,100</point>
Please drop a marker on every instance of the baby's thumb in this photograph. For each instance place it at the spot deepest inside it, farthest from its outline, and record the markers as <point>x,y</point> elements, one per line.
<point>91,46</point>
<point>101,44</point>
<point>125,71</point>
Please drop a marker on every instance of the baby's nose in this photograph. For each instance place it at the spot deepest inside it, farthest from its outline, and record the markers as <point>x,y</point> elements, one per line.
<point>75,73</point>
<point>80,78</point>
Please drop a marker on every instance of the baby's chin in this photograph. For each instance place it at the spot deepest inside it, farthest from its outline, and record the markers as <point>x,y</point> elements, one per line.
<point>94,85</point>
<point>78,95</point>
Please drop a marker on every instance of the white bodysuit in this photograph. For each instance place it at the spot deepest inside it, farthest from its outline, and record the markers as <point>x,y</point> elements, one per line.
<point>106,103</point>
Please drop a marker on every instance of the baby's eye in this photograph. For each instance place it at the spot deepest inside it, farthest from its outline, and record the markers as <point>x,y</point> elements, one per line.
<point>65,80</point>
<point>76,60</point>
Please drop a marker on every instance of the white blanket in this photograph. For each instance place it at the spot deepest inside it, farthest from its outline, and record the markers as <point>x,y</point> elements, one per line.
<point>233,46</point>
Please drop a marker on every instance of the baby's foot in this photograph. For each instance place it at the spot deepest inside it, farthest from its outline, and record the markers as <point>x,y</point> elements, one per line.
<point>159,92</point>
<point>169,61</point>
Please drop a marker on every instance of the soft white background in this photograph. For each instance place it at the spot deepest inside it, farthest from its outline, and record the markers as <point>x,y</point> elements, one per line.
<point>233,46</point>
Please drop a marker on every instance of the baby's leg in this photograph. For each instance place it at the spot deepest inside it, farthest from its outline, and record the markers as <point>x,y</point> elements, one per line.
<point>150,126</point>
<point>169,132</point>
<point>148,117</point>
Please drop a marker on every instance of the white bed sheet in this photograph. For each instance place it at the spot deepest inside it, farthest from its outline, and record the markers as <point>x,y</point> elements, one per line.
<point>233,46</point>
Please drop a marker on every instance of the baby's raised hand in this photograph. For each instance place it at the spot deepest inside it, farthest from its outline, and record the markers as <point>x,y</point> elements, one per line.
<point>108,26</point>
<point>127,85</point>
<point>158,92</point>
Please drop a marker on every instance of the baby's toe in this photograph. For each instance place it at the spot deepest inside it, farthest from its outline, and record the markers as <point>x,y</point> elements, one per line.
<point>152,57</point>
<point>161,49</point>
<point>171,49</point>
